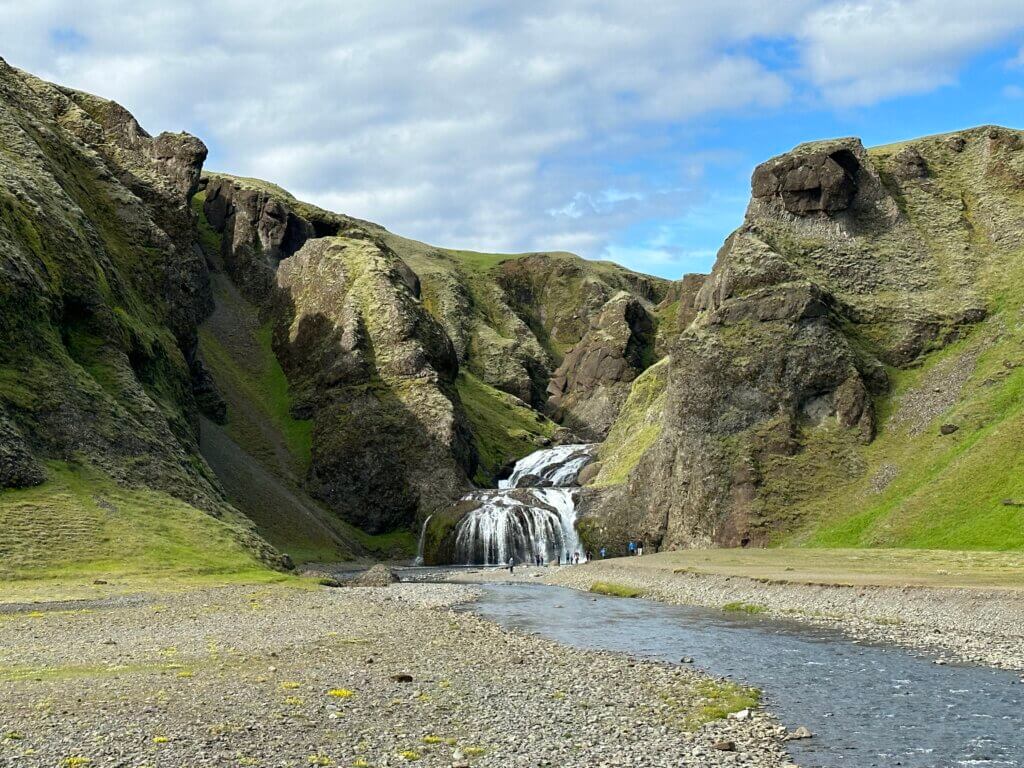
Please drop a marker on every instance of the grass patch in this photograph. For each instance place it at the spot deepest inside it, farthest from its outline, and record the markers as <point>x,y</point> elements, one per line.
<point>80,523</point>
<point>636,428</point>
<point>741,607</point>
<point>504,428</point>
<point>615,590</point>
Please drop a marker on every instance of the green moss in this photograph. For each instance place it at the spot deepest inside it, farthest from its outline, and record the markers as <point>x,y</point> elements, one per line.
<point>263,385</point>
<point>636,428</point>
<point>504,429</point>
<point>615,590</point>
<point>741,607</point>
<point>80,522</point>
<point>693,704</point>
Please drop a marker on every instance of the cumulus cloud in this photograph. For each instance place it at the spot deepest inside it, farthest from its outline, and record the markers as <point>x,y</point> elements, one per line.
<point>488,125</point>
<point>859,53</point>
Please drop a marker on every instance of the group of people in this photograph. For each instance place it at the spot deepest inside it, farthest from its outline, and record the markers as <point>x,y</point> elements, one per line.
<point>634,548</point>
<point>538,559</point>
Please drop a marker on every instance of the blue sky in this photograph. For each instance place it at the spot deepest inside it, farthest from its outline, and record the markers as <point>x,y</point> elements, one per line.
<point>609,128</point>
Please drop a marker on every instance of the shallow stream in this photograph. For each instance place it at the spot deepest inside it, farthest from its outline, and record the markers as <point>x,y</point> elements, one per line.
<point>867,705</point>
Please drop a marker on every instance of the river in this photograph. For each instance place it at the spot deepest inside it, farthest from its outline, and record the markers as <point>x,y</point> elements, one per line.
<point>867,705</point>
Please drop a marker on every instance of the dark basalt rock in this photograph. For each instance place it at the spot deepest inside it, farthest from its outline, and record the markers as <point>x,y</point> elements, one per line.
<point>813,182</point>
<point>589,387</point>
<point>910,164</point>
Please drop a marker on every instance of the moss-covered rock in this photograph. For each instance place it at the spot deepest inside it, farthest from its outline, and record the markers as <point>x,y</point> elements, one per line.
<point>376,373</point>
<point>851,268</point>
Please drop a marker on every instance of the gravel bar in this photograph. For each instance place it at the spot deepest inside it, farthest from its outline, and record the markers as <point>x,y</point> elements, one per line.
<point>376,676</point>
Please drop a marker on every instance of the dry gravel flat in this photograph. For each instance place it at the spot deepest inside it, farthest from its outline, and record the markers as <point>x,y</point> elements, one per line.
<point>280,676</point>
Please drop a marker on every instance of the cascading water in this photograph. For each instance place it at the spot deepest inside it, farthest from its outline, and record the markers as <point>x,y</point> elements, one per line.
<point>423,539</point>
<point>532,513</point>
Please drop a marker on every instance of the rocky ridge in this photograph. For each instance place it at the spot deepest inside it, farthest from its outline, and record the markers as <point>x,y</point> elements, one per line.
<point>851,267</point>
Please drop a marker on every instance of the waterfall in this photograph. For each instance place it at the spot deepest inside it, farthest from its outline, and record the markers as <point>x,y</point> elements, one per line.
<point>531,513</point>
<point>423,537</point>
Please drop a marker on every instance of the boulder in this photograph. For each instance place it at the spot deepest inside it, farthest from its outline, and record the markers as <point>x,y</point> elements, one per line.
<point>909,164</point>
<point>811,182</point>
<point>377,576</point>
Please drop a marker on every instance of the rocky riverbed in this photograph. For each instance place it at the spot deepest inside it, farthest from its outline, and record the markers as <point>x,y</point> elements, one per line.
<point>376,676</point>
<point>974,625</point>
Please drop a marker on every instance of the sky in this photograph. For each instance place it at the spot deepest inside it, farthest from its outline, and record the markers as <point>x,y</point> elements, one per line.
<point>615,129</point>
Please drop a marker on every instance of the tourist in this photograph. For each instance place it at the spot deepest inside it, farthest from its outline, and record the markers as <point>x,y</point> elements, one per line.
<point>640,549</point>
<point>512,565</point>
<point>603,552</point>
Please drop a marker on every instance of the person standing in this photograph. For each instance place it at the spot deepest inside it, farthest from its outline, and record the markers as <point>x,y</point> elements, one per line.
<point>603,552</point>
<point>511,565</point>
<point>640,549</point>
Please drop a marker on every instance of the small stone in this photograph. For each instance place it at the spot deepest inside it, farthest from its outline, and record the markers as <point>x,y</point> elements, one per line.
<point>686,660</point>
<point>401,678</point>
<point>724,746</point>
<point>800,733</point>
<point>99,581</point>
<point>743,714</point>
<point>948,429</point>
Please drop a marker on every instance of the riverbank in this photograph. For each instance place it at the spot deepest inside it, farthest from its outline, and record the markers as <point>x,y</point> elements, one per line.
<point>982,623</point>
<point>292,675</point>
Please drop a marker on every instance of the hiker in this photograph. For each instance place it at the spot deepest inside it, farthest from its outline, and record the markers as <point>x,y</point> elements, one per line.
<point>575,558</point>
<point>511,565</point>
<point>640,549</point>
<point>632,547</point>
<point>603,552</point>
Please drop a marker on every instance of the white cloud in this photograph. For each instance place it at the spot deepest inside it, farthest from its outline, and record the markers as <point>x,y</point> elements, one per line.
<point>860,53</point>
<point>489,125</point>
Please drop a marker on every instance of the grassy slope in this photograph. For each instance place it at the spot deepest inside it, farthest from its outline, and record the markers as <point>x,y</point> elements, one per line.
<point>503,427</point>
<point>636,428</point>
<point>82,525</point>
<point>958,491</point>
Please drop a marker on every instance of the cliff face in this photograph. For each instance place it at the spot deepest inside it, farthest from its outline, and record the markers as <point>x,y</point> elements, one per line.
<point>103,289</point>
<point>852,269</point>
<point>420,369</point>
<point>377,374</point>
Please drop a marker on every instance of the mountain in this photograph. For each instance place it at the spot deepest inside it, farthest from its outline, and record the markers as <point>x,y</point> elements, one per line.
<point>852,372</point>
<point>200,372</point>
<point>414,370</point>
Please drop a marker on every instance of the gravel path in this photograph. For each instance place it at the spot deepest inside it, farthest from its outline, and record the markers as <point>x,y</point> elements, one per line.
<point>982,626</point>
<point>278,676</point>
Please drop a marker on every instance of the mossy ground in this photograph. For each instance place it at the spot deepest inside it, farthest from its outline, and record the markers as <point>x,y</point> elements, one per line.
<point>80,524</point>
<point>615,590</point>
<point>504,429</point>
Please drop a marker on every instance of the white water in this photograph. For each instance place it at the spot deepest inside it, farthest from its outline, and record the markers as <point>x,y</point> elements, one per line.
<point>532,513</point>
<point>423,538</point>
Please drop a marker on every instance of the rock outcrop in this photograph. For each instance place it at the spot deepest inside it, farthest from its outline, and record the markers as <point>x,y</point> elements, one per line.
<point>376,374</point>
<point>593,381</point>
<point>846,267</point>
<point>103,290</point>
